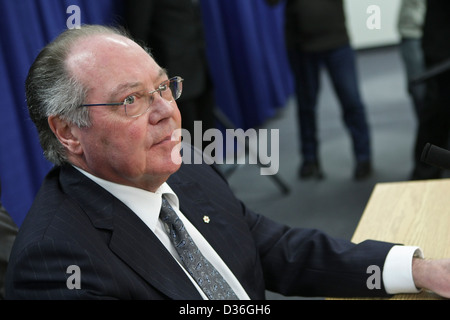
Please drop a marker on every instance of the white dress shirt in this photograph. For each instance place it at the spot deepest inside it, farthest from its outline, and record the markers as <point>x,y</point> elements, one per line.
<point>397,270</point>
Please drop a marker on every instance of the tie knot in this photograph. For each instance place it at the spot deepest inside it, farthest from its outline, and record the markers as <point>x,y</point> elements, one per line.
<point>167,214</point>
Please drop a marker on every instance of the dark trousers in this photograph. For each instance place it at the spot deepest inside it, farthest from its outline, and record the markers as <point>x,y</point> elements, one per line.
<point>434,124</point>
<point>340,65</point>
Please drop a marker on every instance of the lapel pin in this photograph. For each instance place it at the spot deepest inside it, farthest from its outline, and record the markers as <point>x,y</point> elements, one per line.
<point>206,219</point>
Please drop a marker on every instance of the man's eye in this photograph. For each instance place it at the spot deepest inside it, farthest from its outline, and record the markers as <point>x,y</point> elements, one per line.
<point>129,100</point>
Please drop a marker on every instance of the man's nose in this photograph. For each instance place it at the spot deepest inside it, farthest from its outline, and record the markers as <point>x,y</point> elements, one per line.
<point>162,109</point>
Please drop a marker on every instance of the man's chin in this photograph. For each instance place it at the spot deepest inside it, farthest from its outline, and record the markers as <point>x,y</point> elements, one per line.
<point>169,167</point>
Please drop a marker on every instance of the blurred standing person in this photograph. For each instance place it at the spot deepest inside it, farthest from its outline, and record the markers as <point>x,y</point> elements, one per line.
<point>174,29</point>
<point>8,232</point>
<point>410,25</point>
<point>316,37</point>
<point>434,119</point>
<point>410,28</point>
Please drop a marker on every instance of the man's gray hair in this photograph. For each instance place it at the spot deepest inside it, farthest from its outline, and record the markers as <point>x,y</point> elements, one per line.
<point>51,89</point>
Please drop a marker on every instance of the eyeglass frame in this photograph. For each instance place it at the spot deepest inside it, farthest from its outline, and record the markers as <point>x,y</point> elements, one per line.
<point>161,88</point>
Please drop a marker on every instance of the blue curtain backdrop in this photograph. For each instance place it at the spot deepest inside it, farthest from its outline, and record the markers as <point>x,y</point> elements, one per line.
<point>245,44</point>
<point>246,53</point>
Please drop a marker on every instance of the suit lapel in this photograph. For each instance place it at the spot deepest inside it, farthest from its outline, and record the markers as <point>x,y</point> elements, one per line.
<point>131,240</point>
<point>143,252</point>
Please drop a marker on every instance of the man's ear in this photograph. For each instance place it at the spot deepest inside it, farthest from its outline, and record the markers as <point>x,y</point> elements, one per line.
<point>66,134</point>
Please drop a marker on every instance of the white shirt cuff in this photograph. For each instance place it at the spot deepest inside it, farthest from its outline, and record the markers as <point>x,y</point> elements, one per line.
<point>397,271</point>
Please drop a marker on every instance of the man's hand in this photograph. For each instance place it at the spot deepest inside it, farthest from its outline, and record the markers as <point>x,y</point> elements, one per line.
<point>433,275</point>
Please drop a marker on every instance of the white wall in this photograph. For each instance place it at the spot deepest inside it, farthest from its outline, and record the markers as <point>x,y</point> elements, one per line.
<point>357,17</point>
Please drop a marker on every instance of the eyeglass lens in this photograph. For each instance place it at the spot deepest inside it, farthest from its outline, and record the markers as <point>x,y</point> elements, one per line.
<point>169,90</point>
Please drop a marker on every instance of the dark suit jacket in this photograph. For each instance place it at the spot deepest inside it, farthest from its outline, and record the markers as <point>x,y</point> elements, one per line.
<point>73,221</point>
<point>173,30</point>
<point>315,26</point>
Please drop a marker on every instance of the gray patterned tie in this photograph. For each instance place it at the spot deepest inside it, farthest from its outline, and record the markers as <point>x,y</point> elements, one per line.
<point>204,273</point>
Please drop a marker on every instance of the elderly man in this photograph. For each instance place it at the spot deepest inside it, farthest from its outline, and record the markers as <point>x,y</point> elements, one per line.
<point>106,114</point>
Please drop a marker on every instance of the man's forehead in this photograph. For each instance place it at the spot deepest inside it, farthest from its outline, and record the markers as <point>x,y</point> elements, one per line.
<point>110,63</point>
<point>104,39</point>
<point>97,46</point>
<point>106,52</point>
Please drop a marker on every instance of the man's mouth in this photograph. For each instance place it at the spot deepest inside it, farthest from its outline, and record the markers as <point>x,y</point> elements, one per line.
<point>167,138</point>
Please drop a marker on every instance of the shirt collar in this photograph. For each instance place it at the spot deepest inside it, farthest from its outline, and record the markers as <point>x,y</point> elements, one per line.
<point>145,204</point>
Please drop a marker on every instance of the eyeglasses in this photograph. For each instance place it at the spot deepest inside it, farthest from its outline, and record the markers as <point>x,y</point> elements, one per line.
<point>136,104</point>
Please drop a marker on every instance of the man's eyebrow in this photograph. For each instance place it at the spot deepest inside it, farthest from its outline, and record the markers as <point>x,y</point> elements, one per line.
<point>123,87</point>
<point>132,85</point>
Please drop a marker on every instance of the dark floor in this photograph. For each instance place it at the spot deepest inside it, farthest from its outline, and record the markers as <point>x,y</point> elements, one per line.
<point>336,203</point>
